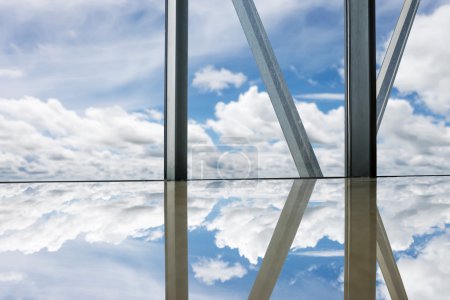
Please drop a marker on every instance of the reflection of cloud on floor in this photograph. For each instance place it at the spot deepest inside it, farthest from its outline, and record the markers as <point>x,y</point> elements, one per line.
<point>427,275</point>
<point>45,216</point>
<point>248,222</point>
<point>80,270</point>
<point>238,215</point>
<point>420,206</point>
<point>413,207</point>
<point>210,270</point>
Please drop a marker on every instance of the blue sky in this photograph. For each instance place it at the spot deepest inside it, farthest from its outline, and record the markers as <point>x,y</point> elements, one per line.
<point>101,64</point>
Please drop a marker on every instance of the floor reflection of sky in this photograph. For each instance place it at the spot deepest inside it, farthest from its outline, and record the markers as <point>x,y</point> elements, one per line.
<point>106,241</point>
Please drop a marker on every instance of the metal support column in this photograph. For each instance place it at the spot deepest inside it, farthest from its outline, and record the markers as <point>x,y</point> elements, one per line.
<point>176,240</point>
<point>360,70</point>
<point>176,86</point>
<point>360,239</point>
<point>282,101</point>
<point>393,56</point>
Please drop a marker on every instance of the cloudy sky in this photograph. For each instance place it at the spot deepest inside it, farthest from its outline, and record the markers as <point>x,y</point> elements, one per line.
<point>58,240</point>
<point>81,89</point>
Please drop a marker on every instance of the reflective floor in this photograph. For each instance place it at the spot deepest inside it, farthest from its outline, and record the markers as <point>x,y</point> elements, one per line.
<point>277,239</point>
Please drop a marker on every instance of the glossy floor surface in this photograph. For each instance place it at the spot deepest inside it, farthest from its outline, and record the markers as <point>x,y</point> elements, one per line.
<point>283,239</point>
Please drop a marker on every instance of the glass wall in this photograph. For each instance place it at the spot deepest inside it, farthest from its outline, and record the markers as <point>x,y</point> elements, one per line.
<point>414,137</point>
<point>233,130</point>
<point>81,89</point>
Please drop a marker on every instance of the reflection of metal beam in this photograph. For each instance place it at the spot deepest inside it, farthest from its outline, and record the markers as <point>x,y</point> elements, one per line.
<point>393,56</point>
<point>175,227</point>
<point>385,81</point>
<point>360,239</point>
<point>387,263</point>
<point>281,98</point>
<point>360,69</point>
<point>175,121</point>
<point>282,238</point>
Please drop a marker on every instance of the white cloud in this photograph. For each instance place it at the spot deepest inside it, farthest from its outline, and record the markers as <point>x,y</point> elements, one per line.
<point>11,277</point>
<point>215,80</point>
<point>252,117</point>
<point>155,115</point>
<point>211,270</point>
<point>45,140</point>
<point>424,69</point>
<point>11,73</point>
<point>411,143</point>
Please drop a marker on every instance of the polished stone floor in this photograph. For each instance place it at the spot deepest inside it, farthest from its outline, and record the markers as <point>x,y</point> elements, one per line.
<point>283,239</point>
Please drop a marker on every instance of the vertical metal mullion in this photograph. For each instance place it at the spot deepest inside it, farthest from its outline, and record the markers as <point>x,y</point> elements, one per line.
<point>360,88</point>
<point>176,83</point>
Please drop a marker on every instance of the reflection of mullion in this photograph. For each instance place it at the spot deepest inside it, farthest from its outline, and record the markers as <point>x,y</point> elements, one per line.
<point>175,228</point>
<point>388,266</point>
<point>282,101</point>
<point>282,239</point>
<point>360,239</point>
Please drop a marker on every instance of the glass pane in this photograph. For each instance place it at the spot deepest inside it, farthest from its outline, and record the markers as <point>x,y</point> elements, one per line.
<point>234,132</point>
<point>414,137</point>
<point>81,90</point>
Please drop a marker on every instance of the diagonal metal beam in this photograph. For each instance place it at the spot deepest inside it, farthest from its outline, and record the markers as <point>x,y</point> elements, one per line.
<point>282,101</point>
<point>393,57</point>
<point>387,263</point>
<point>282,239</point>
